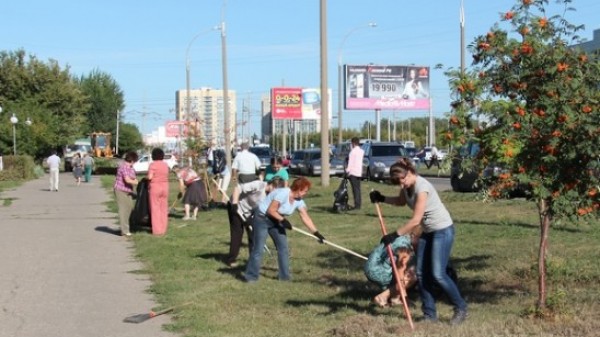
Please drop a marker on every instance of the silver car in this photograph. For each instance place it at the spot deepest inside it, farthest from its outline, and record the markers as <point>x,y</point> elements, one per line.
<point>378,159</point>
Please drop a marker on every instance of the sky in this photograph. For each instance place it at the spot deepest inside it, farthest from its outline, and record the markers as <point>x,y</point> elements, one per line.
<point>269,43</point>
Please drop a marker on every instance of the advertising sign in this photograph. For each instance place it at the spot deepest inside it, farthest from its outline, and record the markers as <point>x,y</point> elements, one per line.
<point>175,128</point>
<point>370,87</point>
<point>286,103</point>
<point>297,103</point>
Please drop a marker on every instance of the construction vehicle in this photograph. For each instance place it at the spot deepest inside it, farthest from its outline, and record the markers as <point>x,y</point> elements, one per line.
<point>101,144</point>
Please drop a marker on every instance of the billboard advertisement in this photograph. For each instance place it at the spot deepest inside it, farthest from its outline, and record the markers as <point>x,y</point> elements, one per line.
<point>175,128</point>
<point>370,87</point>
<point>297,103</point>
<point>286,103</point>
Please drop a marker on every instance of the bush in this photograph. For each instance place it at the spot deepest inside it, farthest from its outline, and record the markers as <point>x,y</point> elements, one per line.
<point>106,166</point>
<point>20,167</point>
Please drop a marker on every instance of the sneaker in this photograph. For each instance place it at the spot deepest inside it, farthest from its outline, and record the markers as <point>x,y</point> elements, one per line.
<point>185,218</point>
<point>232,264</point>
<point>194,218</point>
<point>458,317</point>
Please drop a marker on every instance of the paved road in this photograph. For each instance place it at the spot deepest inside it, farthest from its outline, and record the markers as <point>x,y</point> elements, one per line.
<point>63,271</point>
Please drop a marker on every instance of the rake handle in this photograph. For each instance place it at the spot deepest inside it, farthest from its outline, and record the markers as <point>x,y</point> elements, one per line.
<point>331,244</point>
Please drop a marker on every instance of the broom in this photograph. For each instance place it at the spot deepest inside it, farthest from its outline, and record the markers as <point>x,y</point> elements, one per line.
<point>139,318</point>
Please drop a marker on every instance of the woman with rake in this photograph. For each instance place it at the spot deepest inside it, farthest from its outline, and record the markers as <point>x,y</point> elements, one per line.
<point>435,243</point>
<point>269,219</point>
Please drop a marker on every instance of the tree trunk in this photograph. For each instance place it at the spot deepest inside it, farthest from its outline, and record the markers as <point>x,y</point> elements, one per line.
<point>545,220</point>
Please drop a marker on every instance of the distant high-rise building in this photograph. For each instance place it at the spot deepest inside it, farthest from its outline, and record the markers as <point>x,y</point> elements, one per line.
<point>207,108</point>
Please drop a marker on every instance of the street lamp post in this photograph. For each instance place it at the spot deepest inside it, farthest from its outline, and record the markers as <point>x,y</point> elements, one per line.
<point>340,89</point>
<point>14,120</point>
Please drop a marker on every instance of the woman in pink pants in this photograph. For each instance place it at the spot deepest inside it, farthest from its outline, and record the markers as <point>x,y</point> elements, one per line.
<point>158,191</point>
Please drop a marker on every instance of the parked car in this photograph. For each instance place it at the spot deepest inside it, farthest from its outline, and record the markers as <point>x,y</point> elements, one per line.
<point>465,179</point>
<point>295,162</point>
<point>311,165</point>
<point>264,154</point>
<point>378,159</point>
<point>141,166</point>
<point>473,178</point>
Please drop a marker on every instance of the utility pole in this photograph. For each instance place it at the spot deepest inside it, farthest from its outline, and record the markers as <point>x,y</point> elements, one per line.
<point>227,121</point>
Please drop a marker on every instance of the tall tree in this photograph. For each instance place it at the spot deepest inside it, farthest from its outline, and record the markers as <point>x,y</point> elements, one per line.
<point>47,95</point>
<point>540,99</point>
<point>105,99</point>
<point>130,138</point>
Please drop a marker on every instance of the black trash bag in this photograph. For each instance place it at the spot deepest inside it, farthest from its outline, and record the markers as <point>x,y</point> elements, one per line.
<point>139,220</point>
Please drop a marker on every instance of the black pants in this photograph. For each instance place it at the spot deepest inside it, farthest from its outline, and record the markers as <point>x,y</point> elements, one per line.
<point>433,161</point>
<point>236,231</point>
<point>355,182</point>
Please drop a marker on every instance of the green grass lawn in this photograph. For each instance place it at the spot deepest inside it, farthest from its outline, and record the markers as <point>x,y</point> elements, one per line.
<point>495,254</point>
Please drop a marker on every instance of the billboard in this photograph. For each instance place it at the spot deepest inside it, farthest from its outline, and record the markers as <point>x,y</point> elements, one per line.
<point>286,103</point>
<point>370,87</point>
<point>175,128</point>
<point>297,103</point>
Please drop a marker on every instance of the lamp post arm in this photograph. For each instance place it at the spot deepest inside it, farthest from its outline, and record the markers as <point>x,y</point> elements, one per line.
<point>341,92</point>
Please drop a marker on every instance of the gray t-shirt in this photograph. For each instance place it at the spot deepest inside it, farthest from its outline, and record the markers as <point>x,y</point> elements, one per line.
<point>436,215</point>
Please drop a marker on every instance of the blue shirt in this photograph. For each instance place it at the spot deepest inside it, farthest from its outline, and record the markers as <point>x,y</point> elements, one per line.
<point>282,195</point>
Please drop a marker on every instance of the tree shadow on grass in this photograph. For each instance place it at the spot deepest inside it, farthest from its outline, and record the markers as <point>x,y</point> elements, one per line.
<point>473,289</point>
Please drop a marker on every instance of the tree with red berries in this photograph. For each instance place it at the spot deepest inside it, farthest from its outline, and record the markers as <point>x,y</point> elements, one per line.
<point>538,98</point>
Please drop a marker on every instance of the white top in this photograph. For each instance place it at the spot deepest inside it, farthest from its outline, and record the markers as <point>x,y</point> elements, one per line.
<point>246,162</point>
<point>53,162</point>
<point>251,194</point>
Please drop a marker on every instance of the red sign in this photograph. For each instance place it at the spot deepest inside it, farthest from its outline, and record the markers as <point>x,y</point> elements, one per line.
<point>286,103</point>
<point>175,129</point>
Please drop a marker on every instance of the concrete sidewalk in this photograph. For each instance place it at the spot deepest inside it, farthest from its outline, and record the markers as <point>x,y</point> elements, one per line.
<point>63,270</point>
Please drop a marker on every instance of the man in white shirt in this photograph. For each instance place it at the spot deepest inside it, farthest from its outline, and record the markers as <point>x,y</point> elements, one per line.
<point>53,163</point>
<point>435,157</point>
<point>354,170</point>
<point>245,165</point>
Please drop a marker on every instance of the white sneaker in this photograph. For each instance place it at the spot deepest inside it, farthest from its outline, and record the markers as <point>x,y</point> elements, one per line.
<point>194,217</point>
<point>186,218</point>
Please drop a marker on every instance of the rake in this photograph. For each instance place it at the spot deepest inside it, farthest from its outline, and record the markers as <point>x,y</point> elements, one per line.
<point>139,318</point>
<point>331,244</point>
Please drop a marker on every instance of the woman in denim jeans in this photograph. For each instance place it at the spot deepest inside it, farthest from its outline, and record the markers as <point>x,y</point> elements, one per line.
<point>269,219</point>
<point>435,243</point>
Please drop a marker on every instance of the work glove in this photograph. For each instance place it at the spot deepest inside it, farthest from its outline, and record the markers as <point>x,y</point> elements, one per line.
<point>286,224</point>
<point>376,196</point>
<point>389,238</point>
<point>179,195</point>
<point>318,235</point>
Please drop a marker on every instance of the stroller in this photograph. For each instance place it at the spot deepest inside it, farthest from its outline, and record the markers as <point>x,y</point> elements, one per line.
<point>340,201</point>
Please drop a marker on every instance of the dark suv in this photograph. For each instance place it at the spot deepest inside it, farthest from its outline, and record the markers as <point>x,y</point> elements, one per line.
<point>264,154</point>
<point>379,157</point>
